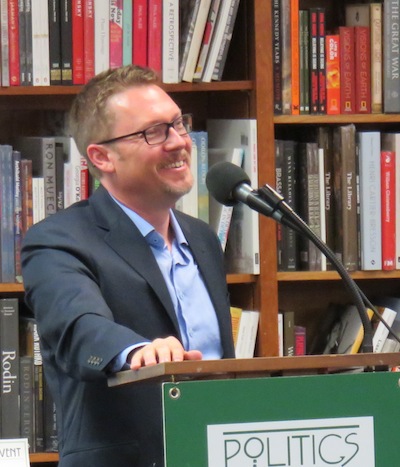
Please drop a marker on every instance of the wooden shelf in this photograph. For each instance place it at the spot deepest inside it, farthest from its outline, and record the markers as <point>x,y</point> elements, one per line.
<point>335,119</point>
<point>332,275</point>
<point>43,457</point>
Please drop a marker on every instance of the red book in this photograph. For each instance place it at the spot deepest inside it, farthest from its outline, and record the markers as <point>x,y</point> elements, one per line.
<point>13,42</point>
<point>388,209</point>
<point>332,74</point>
<point>362,69</point>
<point>77,42</point>
<point>294,37</point>
<point>299,340</point>
<point>154,48</point>
<point>116,7</point>
<point>347,70</point>
<point>139,47</point>
<point>84,178</point>
<point>88,39</point>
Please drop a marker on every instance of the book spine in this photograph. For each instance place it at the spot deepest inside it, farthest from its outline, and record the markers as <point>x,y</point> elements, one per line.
<point>77,42</point>
<point>5,63</point>
<point>347,76</point>
<point>376,57</point>
<point>288,334</point>
<point>55,41</point>
<point>28,44</point>
<point>369,147</point>
<point>49,421</point>
<point>66,41</point>
<point>116,15</point>
<point>26,182</point>
<point>9,344</point>
<point>139,32</point>
<point>13,41</point>
<point>88,40</point>
<point>22,42</point>
<point>17,214</point>
<point>321,62</point>
<point>38,391</point>
<point>101,36</point>
<point>332,75</point>
<point>26,400</point>
<point>314,85</point>
<point>388,206</point>
<point>391,56</point>
<point>279,180</point>
<point>49,174</point>
<point>127,32</point>
<point>40,43</point>
<point>170,51</point>
<point>304,61</point>
<point>294,52</point>
<point>362,69</point>
<point>286,58</point>
<point>300,340</point>
<point>277,56</point>
<point>155,35</point>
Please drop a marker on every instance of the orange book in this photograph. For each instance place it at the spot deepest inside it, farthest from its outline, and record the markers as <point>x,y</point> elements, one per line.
<point>295,53</point>
<point>332,75</point>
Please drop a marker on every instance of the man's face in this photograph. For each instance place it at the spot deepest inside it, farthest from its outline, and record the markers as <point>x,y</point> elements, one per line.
<point>151,175</point>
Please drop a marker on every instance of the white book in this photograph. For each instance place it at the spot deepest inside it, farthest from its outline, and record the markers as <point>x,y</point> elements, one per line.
<point>247,334</point>
<point>381,333</point>
<point>38,210</point>
<point>322,212</point>
<point>369,154</point>
<point>189,203</point>
<point>170,41</point>
<point>195,43</point>
<point>221,215</point>
<point>40,43</point>
<point>207,38</point>
<point>280,334</point>
<point>72,170</point>
<point>243,250</point>
<point>101,36</point>
<point>217,40</point>
<point>5,64</point>
<point>391,142</point>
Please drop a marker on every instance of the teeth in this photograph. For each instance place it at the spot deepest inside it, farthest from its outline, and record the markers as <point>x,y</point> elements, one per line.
<point>175,165</point>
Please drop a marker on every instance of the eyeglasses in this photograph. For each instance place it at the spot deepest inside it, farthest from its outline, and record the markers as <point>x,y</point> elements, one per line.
<point>157,134</point>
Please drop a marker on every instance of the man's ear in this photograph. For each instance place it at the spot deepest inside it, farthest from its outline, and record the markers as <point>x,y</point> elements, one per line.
<point>99,157</point>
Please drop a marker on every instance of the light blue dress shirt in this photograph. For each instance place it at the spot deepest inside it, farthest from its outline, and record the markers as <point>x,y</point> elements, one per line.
<point>195,312</point>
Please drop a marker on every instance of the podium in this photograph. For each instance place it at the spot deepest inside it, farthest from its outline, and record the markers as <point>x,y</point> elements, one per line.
<point>311,411</point>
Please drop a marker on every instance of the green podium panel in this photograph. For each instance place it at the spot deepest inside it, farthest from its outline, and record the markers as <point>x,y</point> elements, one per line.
<point>350,420</point>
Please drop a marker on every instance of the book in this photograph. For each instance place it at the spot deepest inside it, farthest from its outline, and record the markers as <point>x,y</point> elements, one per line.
<point>225,20</point>
<point>115,33</point>
<point>26,389</point>
<point>41,150</point>
<point>9,345</point>
<point>77,42</point>
<point>88,40</point>
<point>314,75</point>
<point>72,170</point>
<point>391,57</point>
<point>7,246</point>
<point>40,43</point>
<point>188,69</point>
<point>236,313</point>
<point>17,214</point>
<point>347,73</point>
<point>369,155</point>
<point>207,38</point>
<point>277,55</point>
<point>101,36</point>
<point>300,346</point>
<point>28,44</point>
<point>139,27</point>
<point>154,36</point>
<point>187,19</point>
<point>221,215</point>
<point>288,333</point>
<point>26,188</point>
<point>170,42</point>
<point>362,69</point>
<point>66,41</point>
<point>22,42</point>
<point>332,74</point>
<point>243,251</point>
<point>294,55</point>
<point>127,32</point>
<point>376,26</point>
<point>388,209</point>
<point>381,332</point>
<point>201,141</point>
<point>220,62</point>
<point>49,421</point>
<point>286,64</point>
<point>304,80</point>
<point>247,334</point>
<point>345,195</point>
<point>55,41</point>
<point>13,43</point>
<point>5,62</point>
<point>321,61</point>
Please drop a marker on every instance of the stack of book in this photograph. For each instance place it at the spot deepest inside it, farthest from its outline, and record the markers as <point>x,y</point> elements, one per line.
<point>68,42</point>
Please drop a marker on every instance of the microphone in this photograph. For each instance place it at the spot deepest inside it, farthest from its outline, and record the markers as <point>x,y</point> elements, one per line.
<point>229,184</point>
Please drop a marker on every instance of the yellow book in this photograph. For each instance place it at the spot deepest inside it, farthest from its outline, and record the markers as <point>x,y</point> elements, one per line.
<point>360,335</point>
<point>236,313</point>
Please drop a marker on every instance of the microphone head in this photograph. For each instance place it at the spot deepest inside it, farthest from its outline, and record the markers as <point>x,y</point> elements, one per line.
<point>222,179</point>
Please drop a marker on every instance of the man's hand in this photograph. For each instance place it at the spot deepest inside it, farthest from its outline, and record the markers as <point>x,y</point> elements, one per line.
<point>161,351</point>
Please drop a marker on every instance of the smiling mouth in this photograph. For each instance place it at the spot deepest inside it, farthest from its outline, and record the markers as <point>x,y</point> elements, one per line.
<point>175,165</point>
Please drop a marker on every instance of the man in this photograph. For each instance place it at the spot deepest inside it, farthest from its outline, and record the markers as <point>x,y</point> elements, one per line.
<point>121,280</point>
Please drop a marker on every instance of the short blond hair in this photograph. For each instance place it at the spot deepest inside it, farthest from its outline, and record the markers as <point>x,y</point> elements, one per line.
<point>89,118</point>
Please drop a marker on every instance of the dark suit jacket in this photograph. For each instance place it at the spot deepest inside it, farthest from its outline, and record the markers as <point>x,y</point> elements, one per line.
<point>95,288</point>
